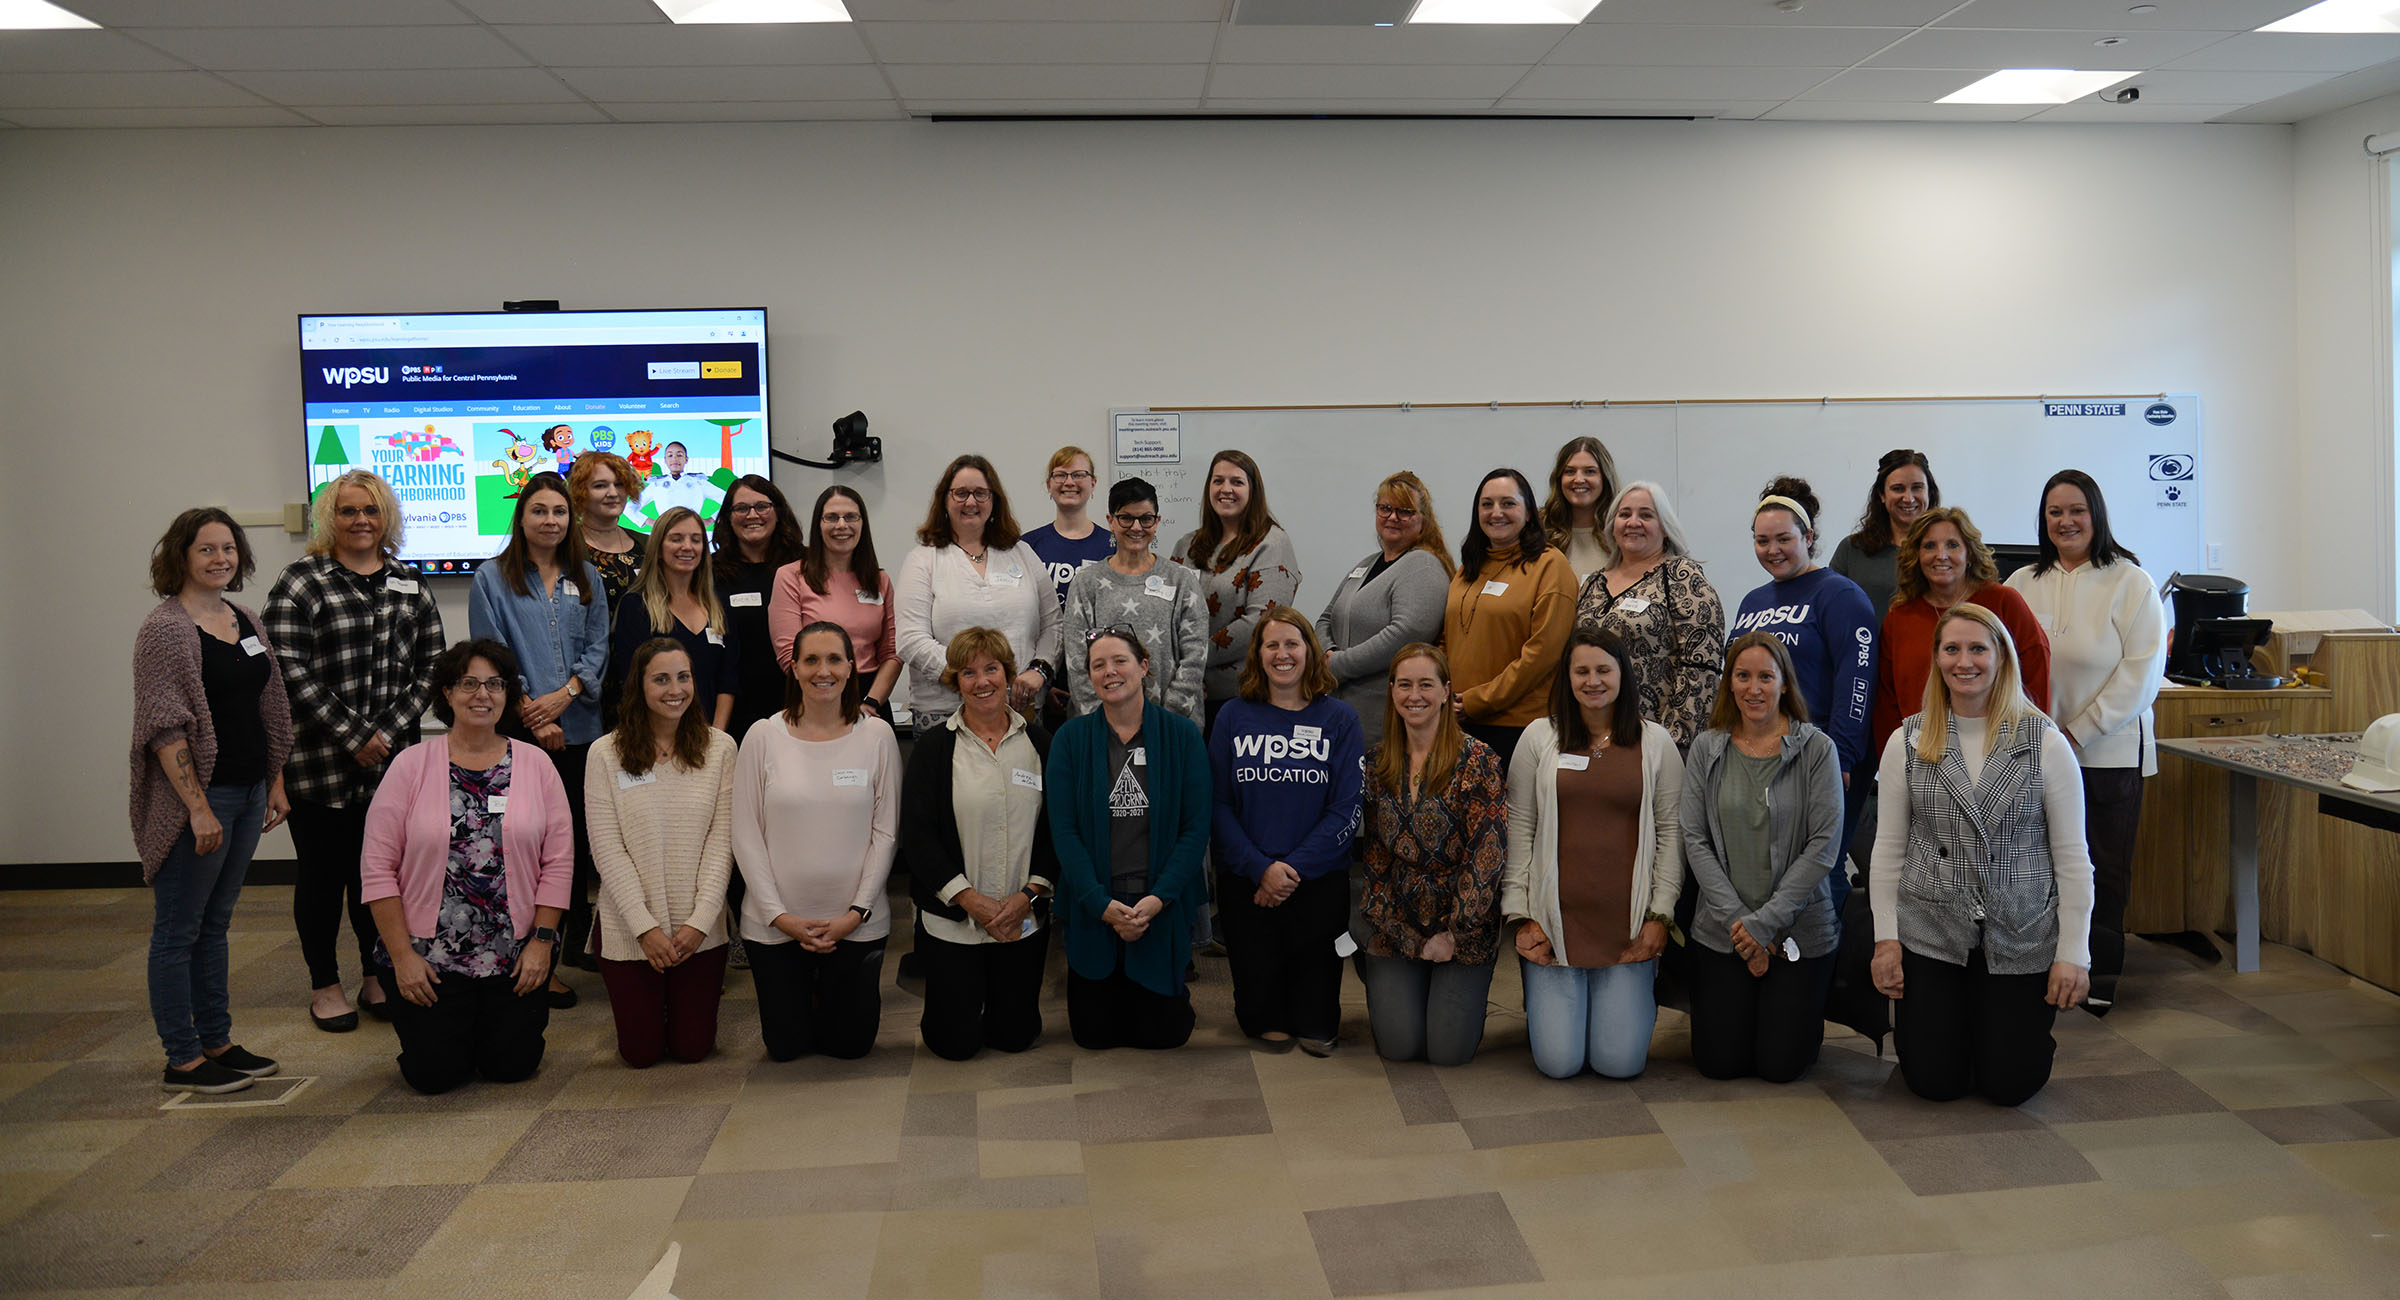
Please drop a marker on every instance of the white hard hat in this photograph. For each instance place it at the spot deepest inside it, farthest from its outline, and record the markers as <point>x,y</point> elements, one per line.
<point>2378,767</point>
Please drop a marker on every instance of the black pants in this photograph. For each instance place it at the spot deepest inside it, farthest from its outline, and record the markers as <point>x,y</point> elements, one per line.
<point>1503,740</point>
<point>1962,1029</point>
<point>1767,1025</point>
<point>327,842</point>
<point>1286,976</point>
<point>980,995</point>
<point>1119,1012</point>
<point>474,1027</point>
<point>2112,814</point>
<point>570,761</point>
<point>830,1003</point>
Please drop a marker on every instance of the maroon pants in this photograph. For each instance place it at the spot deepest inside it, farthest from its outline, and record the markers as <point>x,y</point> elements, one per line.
<point>666,1013</point>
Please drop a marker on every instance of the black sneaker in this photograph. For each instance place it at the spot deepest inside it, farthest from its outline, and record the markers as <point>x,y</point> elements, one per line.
<point>208,1076</point>
<point>249,1063</point>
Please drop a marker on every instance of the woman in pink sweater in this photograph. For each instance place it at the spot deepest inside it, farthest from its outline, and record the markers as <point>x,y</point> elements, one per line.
<point>468,862</point>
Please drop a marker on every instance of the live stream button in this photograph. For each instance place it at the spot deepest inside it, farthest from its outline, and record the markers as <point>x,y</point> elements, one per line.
<point>676,369</point>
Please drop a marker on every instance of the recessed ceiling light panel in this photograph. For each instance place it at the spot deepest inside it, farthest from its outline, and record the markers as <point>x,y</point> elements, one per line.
<point>1557,13</point>
<point>2034,86</point>
<point>38,15</point>
<point>754,11</point>
<point>2348,16</point>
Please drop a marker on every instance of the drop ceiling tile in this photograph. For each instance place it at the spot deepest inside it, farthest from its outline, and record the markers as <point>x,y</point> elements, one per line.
<point>1669,83</point>
<point>838,110</point>
<point>455,114</point>
<point>1338,81</point>
<point>268,13</point>
<point>142,118</point>
<point>1054,107</point>
<point>2291,52</point>
<point>1338,107</point>
<point>2326,96</point>
<point>1725,109</point>
<point>1892,85</point>
<point>727,85</point>
<point>704,45</point>
<point>80,51</point>
<point>1444,43</point>
<point>1815,13</point>
<point>952,81</point>
<point>317,49</point>
<point>1055,11</point>
<point>119,90</point>
<point>1985,50</point>
<point>2110,15</point>
<point>1751,46</point>
<point>1320,13</point>
<point>980,42</point>
<point>433,86</point>
<point>2221,87</point>
<point>2090,110</point>
<point>571,11</point>
<point>1832,110</point>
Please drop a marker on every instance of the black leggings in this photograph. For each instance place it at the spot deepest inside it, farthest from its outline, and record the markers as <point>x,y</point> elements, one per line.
<point>327,842</point>
<point>474,1027</point>
<point>1286,975</point>
<point>1962,1029</point>
<point>830,1003</point>
<point>2112,813</point>
<point>980,995</point>
<point>1769,1025</point>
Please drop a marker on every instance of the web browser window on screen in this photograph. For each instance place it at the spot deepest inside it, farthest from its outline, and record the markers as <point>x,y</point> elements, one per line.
<point>458,411</point>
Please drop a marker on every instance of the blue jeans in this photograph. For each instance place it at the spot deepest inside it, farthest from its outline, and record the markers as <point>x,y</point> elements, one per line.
<point>1602,1017</point>
<point>194,895</point>
<point>1430,1010</point>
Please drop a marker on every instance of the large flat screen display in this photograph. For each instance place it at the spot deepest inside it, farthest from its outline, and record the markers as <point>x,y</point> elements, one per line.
<point>457,411</point>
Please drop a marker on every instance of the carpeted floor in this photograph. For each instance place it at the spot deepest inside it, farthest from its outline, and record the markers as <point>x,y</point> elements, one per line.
<point>2219,1134</point>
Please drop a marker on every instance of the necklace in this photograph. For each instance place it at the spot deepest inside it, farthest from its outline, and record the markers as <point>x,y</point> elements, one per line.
<point>975,557</point>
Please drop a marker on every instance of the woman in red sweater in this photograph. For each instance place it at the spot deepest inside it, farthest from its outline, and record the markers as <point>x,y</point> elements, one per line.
<point>1944,562</point>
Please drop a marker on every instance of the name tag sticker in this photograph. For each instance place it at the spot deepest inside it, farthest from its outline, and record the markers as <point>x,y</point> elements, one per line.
<point>870,598</point>
<point>1155,585</point>
<point>1358,573</point>
<point>715,637</point>
<point>627,780</point>
<point>1495,588</point>
<point>1141,756</point>
<point>1030,780</point>
<point>498,804</point>
<point>849,776</point>
<point>1574,762</point>
<point>1305,733</point>
<point>745,600</point>
<point>1026,931</point>
<point>569,590</point>
<point>1791,949</point>
<point>253,646</point>
<point>1633,604</point>
<point>1344,945</point>
<point>401,586</point>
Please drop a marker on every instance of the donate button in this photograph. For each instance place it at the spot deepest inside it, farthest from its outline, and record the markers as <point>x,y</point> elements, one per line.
<point>674,370</point>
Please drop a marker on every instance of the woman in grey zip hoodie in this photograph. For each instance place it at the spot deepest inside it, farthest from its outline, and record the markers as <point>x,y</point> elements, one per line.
<point>1762,821</point>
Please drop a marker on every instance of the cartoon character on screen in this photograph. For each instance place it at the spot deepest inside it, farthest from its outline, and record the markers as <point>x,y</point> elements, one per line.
<point>516,467</point>
<point>639,451</point>
<point>559,441</point>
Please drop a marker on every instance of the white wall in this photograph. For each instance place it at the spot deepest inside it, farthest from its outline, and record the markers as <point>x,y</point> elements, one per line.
<point>998,287</point>
<point>2344,436</point>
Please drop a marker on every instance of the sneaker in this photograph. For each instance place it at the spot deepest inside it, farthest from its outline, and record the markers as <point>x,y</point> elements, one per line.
<point>249,1063</point>
<point>208,1076</point>
<point>1319,1047</point>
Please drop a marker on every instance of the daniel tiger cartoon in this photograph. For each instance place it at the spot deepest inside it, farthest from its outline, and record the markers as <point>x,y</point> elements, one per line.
<point>639,451</point>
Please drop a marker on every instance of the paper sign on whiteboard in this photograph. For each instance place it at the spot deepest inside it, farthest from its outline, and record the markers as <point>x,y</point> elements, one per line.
<point>1148,438</point>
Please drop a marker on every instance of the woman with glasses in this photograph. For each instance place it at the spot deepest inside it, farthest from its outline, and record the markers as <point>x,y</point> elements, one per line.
<point>1391,598</point>
<point>1071,541</point>
<point>468,864</point>
<point>756,535</point>
<point>1139,592</point>
<point>972,568</point>
<point>1246,562</point>
<point>837,580</point>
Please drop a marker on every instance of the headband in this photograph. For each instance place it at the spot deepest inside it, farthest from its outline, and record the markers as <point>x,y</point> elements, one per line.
<point>1788,504</point>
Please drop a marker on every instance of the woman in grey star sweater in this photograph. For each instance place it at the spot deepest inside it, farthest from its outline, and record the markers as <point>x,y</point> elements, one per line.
<point>1159,601</point>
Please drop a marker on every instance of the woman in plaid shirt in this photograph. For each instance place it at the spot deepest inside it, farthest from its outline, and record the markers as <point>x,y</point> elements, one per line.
<point>355,633</point>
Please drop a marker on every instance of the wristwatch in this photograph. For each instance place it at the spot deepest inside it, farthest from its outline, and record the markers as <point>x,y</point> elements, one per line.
<point>1033,895</point>
<point>864,913</point>
<point>574,688</point>
<point>547,934</point>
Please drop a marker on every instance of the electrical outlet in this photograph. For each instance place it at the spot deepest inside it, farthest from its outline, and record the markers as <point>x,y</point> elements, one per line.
<point>2216,557</point>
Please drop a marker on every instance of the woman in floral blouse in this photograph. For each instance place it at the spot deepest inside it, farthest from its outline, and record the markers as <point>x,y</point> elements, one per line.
<point>1435,842</point>
<point>1654,596</point>
<point>1245,561</point>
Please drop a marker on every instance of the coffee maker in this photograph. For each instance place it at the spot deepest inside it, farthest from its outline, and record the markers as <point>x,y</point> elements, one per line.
<point>2214,633</point>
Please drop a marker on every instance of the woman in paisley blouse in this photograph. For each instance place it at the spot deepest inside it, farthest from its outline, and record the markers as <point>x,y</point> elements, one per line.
<point>1656,598</point>
<point>468,861</point>
<point>1435,842</point>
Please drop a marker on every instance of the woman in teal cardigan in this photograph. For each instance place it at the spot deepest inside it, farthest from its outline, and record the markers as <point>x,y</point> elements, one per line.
<point>1129,807</point>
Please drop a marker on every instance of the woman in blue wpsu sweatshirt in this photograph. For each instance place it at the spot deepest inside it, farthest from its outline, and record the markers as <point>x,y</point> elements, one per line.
<point>1289,760</point>
<point>1827,623</point>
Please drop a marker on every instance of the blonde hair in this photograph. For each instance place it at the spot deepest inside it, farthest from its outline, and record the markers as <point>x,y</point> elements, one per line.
<point>657,600</point>
<point>1389,773</point>
<point>1982,569</point>
<point>974,641</point>
<point>2007,708</point>
<point>1429,538</point>
<point>1066,455</point>
<point>322,537</point>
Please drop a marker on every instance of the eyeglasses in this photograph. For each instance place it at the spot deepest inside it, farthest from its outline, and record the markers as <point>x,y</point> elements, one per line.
<point>831,518</point>
<point>1124,630</point>
<point>1071,476</point>
<point>965,496</point>
<point>480,686</point>
<point>358,512</point>
<point>754,508</point>
<point>1383,511</point>
<point>1137,522</point>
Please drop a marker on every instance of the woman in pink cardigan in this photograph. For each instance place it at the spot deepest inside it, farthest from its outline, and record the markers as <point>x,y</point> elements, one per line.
<point>468,862</point>
<point>211,728</point>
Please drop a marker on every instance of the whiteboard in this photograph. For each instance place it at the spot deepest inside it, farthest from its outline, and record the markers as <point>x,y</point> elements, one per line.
<point>1990,456</point>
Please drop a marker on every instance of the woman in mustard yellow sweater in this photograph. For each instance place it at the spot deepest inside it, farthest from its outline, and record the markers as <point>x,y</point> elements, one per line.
<point>1508,614</point>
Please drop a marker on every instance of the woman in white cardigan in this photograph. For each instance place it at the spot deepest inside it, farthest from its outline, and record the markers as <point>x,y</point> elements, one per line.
<point>658,796</point>
<point>2108,657</point>
<point>971,568</point>
<point>1591,919</point>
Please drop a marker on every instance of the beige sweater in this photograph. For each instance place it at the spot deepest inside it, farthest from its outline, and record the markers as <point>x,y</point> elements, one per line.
<point>663,842</point>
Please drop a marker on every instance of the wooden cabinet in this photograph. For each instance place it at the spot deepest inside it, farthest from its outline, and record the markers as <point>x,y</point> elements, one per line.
<point>2180,877</point>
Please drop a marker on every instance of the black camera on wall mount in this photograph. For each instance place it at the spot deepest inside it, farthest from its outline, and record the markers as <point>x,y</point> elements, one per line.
<point>851,442</point>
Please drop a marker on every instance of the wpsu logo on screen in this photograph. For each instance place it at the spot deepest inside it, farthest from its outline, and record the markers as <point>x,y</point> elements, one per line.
<point>349,376</point>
